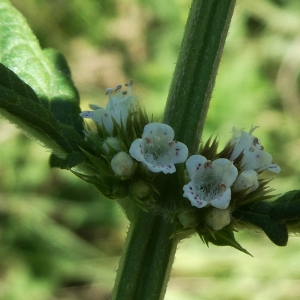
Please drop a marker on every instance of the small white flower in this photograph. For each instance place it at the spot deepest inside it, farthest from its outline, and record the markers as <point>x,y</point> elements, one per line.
<point>118,107</point>
<point>157,150</point>
<point>210,181</point>
<point>218,218</point>
<point>254,156</point>
<point>247,179</point>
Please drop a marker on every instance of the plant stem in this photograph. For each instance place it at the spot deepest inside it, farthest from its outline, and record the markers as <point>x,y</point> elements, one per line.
<point>146,260</point>
<point>196,69</point>
<point>149,250</point>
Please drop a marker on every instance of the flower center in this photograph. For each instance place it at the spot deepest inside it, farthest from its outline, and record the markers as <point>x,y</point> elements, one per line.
<point>156,151</point>
<point>208,185</point>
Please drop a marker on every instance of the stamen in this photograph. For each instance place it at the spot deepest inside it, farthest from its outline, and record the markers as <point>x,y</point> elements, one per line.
<point>118,87</point>
<point>108,91</point>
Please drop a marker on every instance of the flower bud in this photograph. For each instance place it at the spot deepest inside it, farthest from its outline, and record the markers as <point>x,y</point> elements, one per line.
<point>140,189</point>
<point>111,142</point>
<point>188,218</point>
<point>217,218</point>
<point>123,165</point>
<point>246,180</point>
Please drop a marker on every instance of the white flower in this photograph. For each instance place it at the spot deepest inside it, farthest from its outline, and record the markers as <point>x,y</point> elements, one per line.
<point>118,107</point>
<point>247,179</point>
<point>254,156</point>
<point>210,181</point>
<point>157,150</point>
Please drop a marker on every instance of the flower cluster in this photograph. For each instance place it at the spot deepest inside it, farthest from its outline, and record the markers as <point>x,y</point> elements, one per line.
<point>212,181</point>
<point>135,148</point>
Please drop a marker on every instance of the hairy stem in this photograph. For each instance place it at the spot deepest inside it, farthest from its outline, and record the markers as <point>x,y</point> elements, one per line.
<point>196,69</point>
<point>146,260</point>
<point>149,250</point>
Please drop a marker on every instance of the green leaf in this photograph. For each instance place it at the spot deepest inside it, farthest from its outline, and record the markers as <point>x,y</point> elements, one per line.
<point>258,214</point>
<point>286,207</point>
<point>45,71</point>
<point>223,237</point>
<point>73,159</point>
<point>20,105</point>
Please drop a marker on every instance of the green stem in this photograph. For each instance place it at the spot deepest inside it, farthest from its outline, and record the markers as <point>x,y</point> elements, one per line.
<point>149,250</point>
<point>196,69</point>
<point>146,260</point>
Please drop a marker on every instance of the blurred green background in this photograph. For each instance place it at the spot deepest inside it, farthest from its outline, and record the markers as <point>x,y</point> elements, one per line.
<point>59,239</point>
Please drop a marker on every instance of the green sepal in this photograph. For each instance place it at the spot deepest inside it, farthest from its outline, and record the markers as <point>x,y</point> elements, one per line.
<point>223,237</point>
<point>259,214</point>
<point>99,162</point>
<point>209,149</point>
<point>140,203</point>
<point>286,207</point>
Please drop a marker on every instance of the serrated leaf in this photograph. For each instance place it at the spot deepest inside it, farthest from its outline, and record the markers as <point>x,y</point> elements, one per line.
<point>45,71</point>
<point>223,237</point>
<point>258,214</point>
<point>286,207</point>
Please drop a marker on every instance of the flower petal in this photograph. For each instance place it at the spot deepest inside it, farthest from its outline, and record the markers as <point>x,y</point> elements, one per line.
<point>247,179</point>
<point>167,169</point>
<point>189,192</point>
<point>258,160</point>
<point>226,169</point>
<point>222,201</point>
<point>274,168</point>
<point>87,114</point>
<point>241,141</point>
<point>178,152</point>
<point>159,132</point>
<point>194,163</point>
<point>103,117</point>
<point>137,150</point>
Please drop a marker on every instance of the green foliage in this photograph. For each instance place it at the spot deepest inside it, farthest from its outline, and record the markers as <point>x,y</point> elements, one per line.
<point>286,207</point>
<point>21,106</point>
<point>258,214</point>
<point>45,71</point>
<point>223,237</point>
